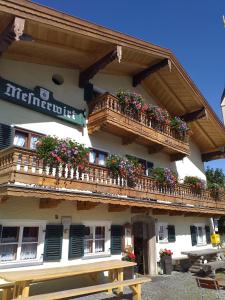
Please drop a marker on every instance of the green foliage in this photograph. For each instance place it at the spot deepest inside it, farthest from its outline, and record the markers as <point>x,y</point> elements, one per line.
<point>215,178</point>
<point>196,183</point>
<point>164,175</point>
<point>221,225</point>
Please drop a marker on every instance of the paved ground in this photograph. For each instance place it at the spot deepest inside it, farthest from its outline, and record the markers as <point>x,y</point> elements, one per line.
<point>178,286</point>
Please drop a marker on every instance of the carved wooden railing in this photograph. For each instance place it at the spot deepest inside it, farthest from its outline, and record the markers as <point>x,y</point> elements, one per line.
<point>109,102</point>
<point>22,166</point>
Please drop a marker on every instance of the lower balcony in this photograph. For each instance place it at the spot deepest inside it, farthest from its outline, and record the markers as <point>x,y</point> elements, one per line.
<point>20,169</point>
<point>105,113</point>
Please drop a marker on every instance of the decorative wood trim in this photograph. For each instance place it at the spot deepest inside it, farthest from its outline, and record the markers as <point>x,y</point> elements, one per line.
<point>11,33</point>
<point>139,210</point>
<point>159,212</point>
<point>129,139</point>
<point>3,199</point>
<point>137,78</point>
<point>195,115</point>
<point>155,149</point>
<point>91,71</point>
<point>48,203</point>
<point>116,208</point>
<point>213,155</point>
<point>81,205</point>
<point>176,157</point>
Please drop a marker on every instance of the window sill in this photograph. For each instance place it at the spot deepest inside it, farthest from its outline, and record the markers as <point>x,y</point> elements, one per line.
<point>92,256</point>
<point>7,265</point>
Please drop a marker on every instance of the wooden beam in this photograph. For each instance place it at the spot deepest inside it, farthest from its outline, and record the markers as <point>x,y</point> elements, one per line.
<point>139,210</point>
<point>48,203</point>
<point>192,214</point>
<point>157,211</point>
<point>176,157</point>
<point>155,149</point>
<point>195,115</point>
<point>117,208</point>
<point>129,139</point>
<point>86,205</point>
<point>3,199</point>
<point>176,213</point>
<point>12,33</point>
<point>92,70</point>
<point>214,155</point>
<point>137,78</point>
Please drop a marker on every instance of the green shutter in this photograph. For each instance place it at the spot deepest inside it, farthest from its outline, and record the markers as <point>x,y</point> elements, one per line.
<point>193,230</point>
<point>171,234</point>
<point>116,239</point>
<point>6,136</point>
<point>207,232</point>
<point>76,244</point>
<point>53,242</point>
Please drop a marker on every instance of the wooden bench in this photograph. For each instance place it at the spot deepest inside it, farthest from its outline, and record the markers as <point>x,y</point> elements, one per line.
<point>6,290</point>
<point>134,284</point>
<point>211,267</point>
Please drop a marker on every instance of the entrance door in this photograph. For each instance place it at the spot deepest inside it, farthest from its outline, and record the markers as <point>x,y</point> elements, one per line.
<point>140,232</point>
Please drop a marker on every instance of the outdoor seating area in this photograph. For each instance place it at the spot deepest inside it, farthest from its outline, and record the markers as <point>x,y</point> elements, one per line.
<point>20,281</point>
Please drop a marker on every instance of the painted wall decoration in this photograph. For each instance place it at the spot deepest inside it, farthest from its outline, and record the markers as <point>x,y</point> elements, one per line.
<point>40,100</point>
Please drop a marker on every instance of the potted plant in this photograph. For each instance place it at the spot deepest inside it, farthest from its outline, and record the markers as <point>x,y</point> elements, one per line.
<point>166,261</point>
<point>129,255</point>
<point>197,184</point>
<point>159,117</point>
<point>65,152</point>
<point>124,167</point>
<point>180,127</point>
<point>165,177</point>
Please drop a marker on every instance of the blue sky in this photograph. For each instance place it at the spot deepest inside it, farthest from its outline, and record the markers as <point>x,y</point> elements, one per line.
<point>192,29</point>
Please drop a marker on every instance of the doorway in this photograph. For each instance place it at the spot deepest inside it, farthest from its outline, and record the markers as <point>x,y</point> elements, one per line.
<point>141,238</point>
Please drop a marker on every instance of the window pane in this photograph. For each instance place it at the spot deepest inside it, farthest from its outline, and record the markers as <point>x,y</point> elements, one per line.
<point>10,234</point>
<point>102,159</point>
<point>92,157</point>
<point>200,234</point>
<point>99,246</point>
<point>99,232</point>
<point>8,252</point>
<point>33,142</point>
<point>20,139</point>
<point>30,234</point>
<point>28,251</point>
<point>88,232</point>
<point>88,246</point>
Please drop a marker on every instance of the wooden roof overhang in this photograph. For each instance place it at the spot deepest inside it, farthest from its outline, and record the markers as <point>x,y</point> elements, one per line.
<point>14,191</point>
<point>65,41</point>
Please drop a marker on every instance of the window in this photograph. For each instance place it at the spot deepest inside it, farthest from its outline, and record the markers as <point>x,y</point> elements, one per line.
<point>26,139</point>
<point>201,236</point>
<point>94,239</point>
<point>147,165</point>
<point>163,232</point>
<point>20,243</point>
<point>166,233</point>
<point>97,157</point>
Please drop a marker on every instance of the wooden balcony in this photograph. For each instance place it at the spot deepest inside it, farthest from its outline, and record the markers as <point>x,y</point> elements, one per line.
<point>105,113</point>
<point>20,169</point>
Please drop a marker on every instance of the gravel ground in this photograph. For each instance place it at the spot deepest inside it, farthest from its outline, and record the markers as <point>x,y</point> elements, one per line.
<point>178,286</point>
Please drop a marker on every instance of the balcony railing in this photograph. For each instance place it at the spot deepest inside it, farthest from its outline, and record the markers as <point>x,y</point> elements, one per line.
<point>22,166</point>
<point>106,113</point>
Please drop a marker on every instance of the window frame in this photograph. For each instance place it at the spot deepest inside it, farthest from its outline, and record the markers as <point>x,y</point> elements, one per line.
<point>97,152</point>
<point>107,225</point>
<point>41,224</point>
<point>204,242</point>
<point>28,136</point>
<point>166,239</point>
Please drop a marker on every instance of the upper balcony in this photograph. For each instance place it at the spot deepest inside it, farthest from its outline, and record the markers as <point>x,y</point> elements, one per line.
<point>21,174</point>
<point>106,113</point>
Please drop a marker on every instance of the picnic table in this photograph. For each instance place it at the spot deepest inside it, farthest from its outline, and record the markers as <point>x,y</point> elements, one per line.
<point>22,280</point>
<point>198,257</point>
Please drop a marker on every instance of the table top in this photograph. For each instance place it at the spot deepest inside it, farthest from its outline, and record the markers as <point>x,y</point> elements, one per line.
<point>66,271</point>
<point>202,252</point>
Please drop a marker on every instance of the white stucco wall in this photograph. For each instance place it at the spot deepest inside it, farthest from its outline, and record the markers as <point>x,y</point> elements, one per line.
<point>183,237</point>
<point>30,76</point>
